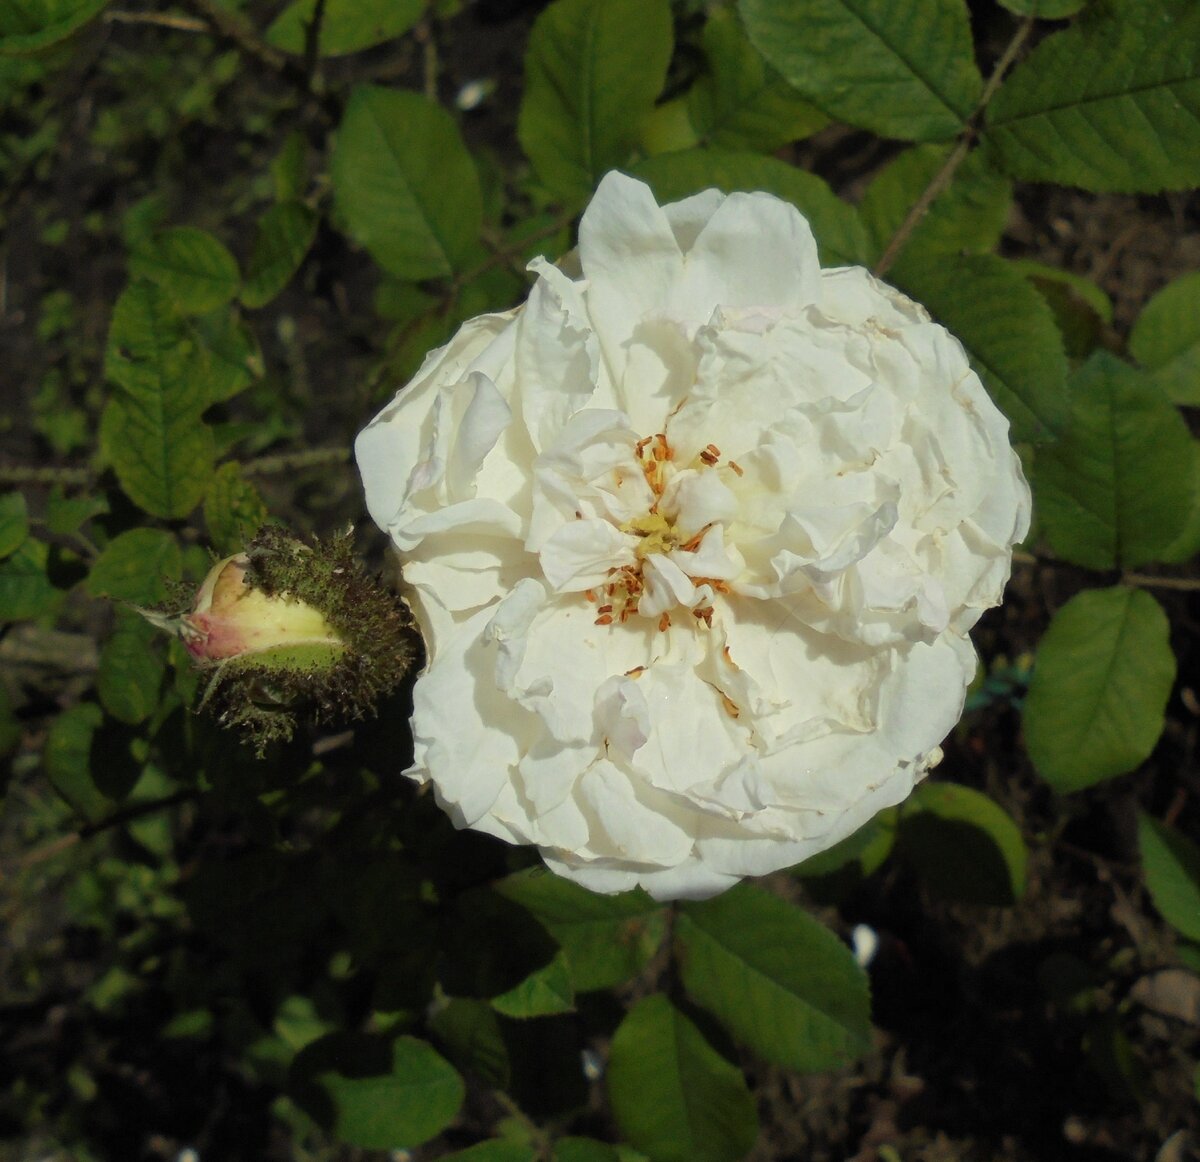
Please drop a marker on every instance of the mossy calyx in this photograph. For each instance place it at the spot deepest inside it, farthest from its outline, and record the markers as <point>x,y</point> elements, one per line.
<point>288,626</point>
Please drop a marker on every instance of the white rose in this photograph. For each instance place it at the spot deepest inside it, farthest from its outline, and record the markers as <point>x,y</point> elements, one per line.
<point>695,538</point>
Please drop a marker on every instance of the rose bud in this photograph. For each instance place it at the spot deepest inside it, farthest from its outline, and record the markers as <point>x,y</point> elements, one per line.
<point>287,626</point>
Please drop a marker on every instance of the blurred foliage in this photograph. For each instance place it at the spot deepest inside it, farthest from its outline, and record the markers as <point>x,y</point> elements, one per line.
<point>256,219</point>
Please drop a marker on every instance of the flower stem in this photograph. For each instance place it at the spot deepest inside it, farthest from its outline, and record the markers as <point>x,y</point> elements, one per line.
<point>958,154</point>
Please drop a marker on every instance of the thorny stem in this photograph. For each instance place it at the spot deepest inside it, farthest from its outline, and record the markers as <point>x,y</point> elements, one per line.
<point>958,154</point>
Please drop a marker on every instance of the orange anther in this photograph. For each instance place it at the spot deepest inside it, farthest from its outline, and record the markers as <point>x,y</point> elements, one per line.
<point>604,619</point>
<point>664,623</point>
<point>737,467</point>
<point>604,609</point>
<point>589,594</point>
<point>731,707</point>
<point>693,543</point>
<point>636,672</point>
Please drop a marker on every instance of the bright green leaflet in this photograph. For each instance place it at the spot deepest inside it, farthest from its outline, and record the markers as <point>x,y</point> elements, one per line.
<point>151,431</point>
<point>968,216</point>
<point>192,266</point>
<point>606,939</point>
<point>285,234</point>
<point>135,566</point>
<point>28,26</point>
<point>1172,865</point>
<point>541,994</point>
<point>1044,9</point>
<point>231,359</point>
<point>776,978</point>
<point>1118,487</point>
<point>1100,685</point>
<point>674,1097</point>
<point>963,845</point>
<point>14,522</point>
<point>593,70</point>
<point>1007,329</point>
<point>404,183</point>
<point>1166,339</point>
<point>347,25</point>
<point>841,240</point>
<point>902,68</point>
<point>1111,104</point>
<point>742,103</point>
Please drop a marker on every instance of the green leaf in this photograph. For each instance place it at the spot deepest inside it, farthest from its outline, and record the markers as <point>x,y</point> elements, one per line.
<point>1007,329</point>
<point>25,589</point>
<point>131,669</point>
<point>1166,339</point>
<point>1081,309</point>
<point>968,216</point>
<point>375,1095</point>
<point>1187,544</point>
<point>742,103</point>
<point>841,239</point>
<point>192,266</point>
<point>151,431</point>
<point>285,234</point>
<point>868,847</point>
<point>67,759</point>
<point>68,514</point>
<point>14,522</point>
<point>902,68</point>
<point>963,845</point>
<point>1044,9</point>
<point>1103,674</point>
<point>590,1150</point>
<point>593,70</point>
<point>469,1031</point>
<point>405,183</point>
<point>347,25</point>
<point>232,358</point>
<point>674,1097</point>
<point>541,994</point>
<point>10,730</point>
<point>776,978</point>
<point>1111,104</point>
<point>233,509</point>
<point>606,939</point>
<point>1172,866</point>
<point>29,26</point>
<point>1118,487</point>
<point>135,566</point>
<point>497,1150</point>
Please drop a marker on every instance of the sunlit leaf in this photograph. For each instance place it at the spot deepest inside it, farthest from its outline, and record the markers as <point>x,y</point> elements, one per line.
<point>902,68</point>
<point>135,566</point>
<point>1171,863</point>
<point>841,239</point>
<point>544,992</point>
<point>1118,487</point>
<point>1166,339</point>
<point>405,184</point>
<point>285,233</point>
<point>674,1097</point>
<point>346,26</point>
<point>1110,104</point>
<point>192,266</point>
<point>1081,309</point>
<point>1100,686</point>
<point>231,358</point>
<point>776,978</point>
<point>593,70</point>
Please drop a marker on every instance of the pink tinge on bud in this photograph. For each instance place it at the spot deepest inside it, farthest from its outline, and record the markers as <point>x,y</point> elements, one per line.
<point>231,619</point>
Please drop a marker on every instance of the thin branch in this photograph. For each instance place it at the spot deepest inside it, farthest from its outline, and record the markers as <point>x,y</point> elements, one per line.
<point>958,154</point>
<point>423,34</point>
<point>159,20</point>
<point>295,461</point>
<point>1140,580</point>
<point>27,474</point>
<point>234,28</point>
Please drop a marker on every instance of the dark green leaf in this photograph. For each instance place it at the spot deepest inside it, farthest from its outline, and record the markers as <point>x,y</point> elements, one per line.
<point>1044,9</point>
<point>963,845</point>
<point>592,73</point>
<point>67,758</point>
<point>1166,339</point>
<point>544,992</point>
<point>14,522</point>
<point>1081,309</point>
<point>1187,544</point>
<point>968,216</point>
<point>742,103</point>
<point>776,978</point>
<point>151,431</point>
<point>131,669</point>
<point>497,1150</point>
<point>10,730</point>
<point>1171,863</point>
<point>68,514</point>
<point>25,589</point>
<point>1118,487</point>
<point>28,26</point>
<point>1104,671</point>
<point>469,1031</point>
<point>192,266</point>
<point>606,939</point>
<point>490,945</point>
<point>674,1097</point>
<point>1110,104</point>
<point>136,566</point>
<point>233,509</point>
<point>1007,329</point>
<point>902,68</point>
<point>405,183</point>
<point>841,239</point>
<point>285,233</point>
<point>377,1095</point>
<point>347,25</point>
